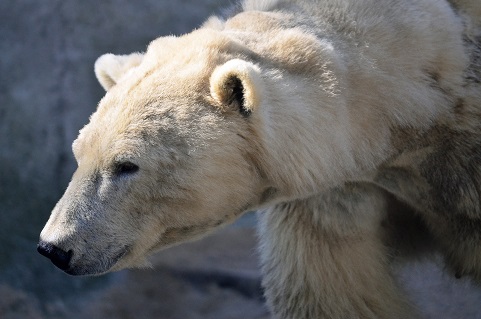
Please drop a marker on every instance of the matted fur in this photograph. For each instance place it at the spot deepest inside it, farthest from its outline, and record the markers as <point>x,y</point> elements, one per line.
<point>353,125</point>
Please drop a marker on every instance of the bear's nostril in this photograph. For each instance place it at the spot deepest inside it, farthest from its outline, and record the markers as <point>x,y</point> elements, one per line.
<point>59,257</point>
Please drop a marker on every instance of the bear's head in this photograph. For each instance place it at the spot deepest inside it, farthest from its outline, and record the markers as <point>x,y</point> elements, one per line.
<point>190,135</point>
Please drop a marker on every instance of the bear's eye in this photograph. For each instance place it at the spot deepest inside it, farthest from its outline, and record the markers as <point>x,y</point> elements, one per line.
<point>124,168</point>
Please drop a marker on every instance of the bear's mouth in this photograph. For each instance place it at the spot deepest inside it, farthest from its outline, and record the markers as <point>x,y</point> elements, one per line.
<point>102,265</point>
<point>177,235</point>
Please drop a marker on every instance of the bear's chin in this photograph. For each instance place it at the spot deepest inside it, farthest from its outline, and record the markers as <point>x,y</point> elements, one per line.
<point>102,266</point>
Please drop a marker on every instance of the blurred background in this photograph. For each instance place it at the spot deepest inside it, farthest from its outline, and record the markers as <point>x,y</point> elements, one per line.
<point>47,92</point>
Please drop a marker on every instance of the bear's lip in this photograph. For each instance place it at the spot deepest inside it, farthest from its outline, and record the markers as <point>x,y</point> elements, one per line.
<point>99,267</point>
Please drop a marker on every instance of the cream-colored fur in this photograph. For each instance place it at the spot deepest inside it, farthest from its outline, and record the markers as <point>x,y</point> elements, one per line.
<point>247,73</point>
<point>353,125</point>
<point>110,68</point>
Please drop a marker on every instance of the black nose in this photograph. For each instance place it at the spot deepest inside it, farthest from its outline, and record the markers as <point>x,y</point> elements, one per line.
<point>59,258</point>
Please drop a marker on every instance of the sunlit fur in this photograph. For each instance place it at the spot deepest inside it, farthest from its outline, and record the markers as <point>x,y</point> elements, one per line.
<point>353,125</point>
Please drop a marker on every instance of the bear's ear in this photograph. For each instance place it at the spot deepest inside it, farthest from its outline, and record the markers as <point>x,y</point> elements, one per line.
<point>237,84</point>
<point>109,68</point>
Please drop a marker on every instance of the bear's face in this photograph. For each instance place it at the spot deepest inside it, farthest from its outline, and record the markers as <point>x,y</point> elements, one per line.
<point>166,157</point>
<point>196,131</point>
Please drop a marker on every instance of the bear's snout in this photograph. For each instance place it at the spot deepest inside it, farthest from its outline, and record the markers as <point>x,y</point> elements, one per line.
<point>59,257</point>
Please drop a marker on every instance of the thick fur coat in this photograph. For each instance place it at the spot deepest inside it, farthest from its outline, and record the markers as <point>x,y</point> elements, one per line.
<point>354,126</point>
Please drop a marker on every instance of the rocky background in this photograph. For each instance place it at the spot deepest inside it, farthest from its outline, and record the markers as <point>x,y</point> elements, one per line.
<point>47,92</point>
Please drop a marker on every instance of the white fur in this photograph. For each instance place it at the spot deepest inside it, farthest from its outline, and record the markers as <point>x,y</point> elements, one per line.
<point>364,115</point>
<point>248,73</point>
<point>110,68</point>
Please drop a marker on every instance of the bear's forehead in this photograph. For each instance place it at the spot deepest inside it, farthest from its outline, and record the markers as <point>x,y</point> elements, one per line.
<point>173,68</point>
<point>206,42</point>
<point>171,82</point>
<point>127,119</point>
<point>153,124</point>
<point>164,98</point>
<point>205,48</point>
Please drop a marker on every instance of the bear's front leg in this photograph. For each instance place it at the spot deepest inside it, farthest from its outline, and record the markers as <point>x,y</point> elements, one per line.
<point>323,257</point>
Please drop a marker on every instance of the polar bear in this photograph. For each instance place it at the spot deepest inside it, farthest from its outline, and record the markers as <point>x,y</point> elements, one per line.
<point>353,126</point>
